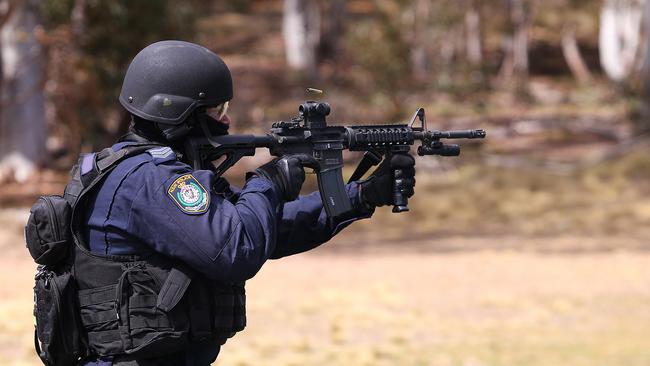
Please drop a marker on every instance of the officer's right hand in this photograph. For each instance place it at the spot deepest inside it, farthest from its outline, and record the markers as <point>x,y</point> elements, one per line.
<point>287,173</point>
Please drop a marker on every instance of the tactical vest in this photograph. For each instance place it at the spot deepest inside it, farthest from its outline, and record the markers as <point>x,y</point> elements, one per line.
<point>143,306</point>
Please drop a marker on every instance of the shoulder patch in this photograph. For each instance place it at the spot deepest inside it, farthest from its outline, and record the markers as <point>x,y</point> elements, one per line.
<point>189,195</point>
<point>161,154</point>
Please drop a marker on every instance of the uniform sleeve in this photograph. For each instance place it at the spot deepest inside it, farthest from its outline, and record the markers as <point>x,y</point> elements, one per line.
<point>225,241</point>
<point>304,224</point>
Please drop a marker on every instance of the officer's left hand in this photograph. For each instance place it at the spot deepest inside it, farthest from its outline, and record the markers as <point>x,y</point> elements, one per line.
<point>378,189</point>
<point>287,173</point>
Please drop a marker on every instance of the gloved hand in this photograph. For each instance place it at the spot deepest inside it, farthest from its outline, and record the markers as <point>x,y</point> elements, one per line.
<point>287,173</point>
<point>377,190</point>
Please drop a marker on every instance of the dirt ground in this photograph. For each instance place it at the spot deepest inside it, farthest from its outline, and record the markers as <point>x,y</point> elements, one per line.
<point>405,305</point>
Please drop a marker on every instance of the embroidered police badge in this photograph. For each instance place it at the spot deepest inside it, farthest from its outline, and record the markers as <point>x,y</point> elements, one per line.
<point>189,195</point>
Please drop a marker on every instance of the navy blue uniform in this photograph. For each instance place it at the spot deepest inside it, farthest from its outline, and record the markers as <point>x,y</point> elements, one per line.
<point>154,203</point>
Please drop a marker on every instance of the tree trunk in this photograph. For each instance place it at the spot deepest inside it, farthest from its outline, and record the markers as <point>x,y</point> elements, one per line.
<point>620,25</point>
<point>573,57</point>
<point>330,41</point>
<point>520,19</point>
<point>78,18</point>
<point>506,71</point>
<point>473,41</point>
<point>301,32</point>
<point>22,105</point>
<point>418,52</point>
<point>514,68</point>
<point>645,72</point>
<point>6,9</point>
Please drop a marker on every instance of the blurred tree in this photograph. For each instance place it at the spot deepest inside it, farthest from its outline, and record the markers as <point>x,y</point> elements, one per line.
<point>380,49</point>
<point>645,72</point>
<point>241,6</point>
<point>22,104</point>
<point>301,31</point>
<point>105,35</point>
<point>576,20</point>
<point>332,32</point>
<point>420,62</point>
<point>572,54</point>
<point>473,34</point>
<point>446,42</point>
<point>514,70</point>
<point>619,37</point>
<point>117,29</point>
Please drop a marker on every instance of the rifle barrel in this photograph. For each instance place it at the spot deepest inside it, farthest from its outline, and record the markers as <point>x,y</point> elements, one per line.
<point>459,134</point>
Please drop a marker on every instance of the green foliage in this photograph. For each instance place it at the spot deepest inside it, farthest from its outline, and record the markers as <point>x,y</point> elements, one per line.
<point>117,29</point>
<point>56,12</point>
<point>104,36</point>
<point>380,52</point>
<point>378,47</point>
<point>241,6</point>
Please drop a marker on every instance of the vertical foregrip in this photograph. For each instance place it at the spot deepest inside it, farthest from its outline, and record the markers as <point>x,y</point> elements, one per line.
<point>400,199</point>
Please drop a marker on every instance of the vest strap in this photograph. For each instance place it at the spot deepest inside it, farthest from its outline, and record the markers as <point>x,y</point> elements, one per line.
<point>98,317</point>
<point>173,289</point>
<point>96,295</point>
<point>111,339</point>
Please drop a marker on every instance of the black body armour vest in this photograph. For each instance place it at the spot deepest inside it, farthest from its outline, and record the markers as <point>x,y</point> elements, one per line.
<point>144,306</point>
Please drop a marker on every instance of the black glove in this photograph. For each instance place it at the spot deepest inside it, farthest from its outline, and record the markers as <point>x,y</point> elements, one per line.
<point>287,173</point>
<point>377,190</point>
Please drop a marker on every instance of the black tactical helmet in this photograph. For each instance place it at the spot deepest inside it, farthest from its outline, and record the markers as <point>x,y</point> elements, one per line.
<point>168,80</point>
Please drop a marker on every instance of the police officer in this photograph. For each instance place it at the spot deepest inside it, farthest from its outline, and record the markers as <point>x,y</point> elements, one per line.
<point>169,247</point>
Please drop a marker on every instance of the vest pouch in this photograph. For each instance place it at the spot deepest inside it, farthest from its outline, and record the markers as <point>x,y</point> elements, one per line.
<point>239,309</point>
<point>47,232</point>
<point>58,339</point>
<point>229,309</point>
<point>145,328</point>
<point>97,307</point>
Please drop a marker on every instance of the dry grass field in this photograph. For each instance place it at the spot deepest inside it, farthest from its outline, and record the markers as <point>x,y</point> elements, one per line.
<point>411,305</point>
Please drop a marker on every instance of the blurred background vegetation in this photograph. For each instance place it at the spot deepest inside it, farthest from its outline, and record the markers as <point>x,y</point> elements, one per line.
<point>561,86</point>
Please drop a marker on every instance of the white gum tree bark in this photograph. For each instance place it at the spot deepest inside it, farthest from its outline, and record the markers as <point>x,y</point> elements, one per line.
<point>619,37</point>
<point>301,32</point>
<point>22,103</point>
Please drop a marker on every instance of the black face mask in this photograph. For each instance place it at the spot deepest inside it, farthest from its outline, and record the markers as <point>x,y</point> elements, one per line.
<point>216,128</point>
<point>175,136</point>
<point>192,128</point>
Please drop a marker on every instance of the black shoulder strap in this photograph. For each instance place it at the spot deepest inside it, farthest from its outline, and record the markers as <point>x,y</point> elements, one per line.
<point>74,186</point>
<point>105,160</point>
<point>102,163</point>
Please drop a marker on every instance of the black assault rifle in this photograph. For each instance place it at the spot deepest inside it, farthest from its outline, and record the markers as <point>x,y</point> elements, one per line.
<point>310,134</point>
